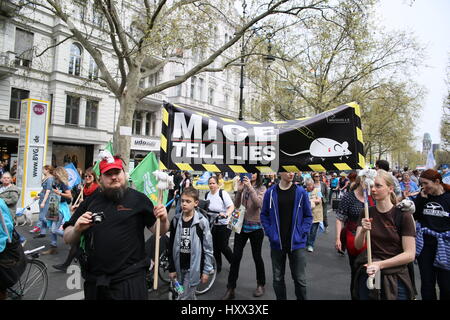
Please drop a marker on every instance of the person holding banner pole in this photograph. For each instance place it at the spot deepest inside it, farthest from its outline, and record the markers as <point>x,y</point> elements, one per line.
<point>110,226</point>
<point>250,194</point>
<point>393,245</point>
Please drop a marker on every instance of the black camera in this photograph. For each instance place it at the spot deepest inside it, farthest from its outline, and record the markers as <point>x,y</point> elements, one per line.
<point>98,217</point>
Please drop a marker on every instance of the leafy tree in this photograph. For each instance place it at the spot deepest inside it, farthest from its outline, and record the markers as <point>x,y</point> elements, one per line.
<point>145,36</point>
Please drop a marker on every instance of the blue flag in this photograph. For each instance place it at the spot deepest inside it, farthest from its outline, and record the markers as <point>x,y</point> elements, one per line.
<point>74,176</point>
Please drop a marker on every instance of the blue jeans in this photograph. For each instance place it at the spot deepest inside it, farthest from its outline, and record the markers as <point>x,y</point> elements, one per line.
<point>402,293</point>
<point>297,263</point>
<point>56,231</point>
<point>312,234</point>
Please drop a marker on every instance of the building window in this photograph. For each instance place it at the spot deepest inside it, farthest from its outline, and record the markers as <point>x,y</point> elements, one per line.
<point>72,110</point>
<point>93,70</point>
<point>97,18</point>
<point>91,113</point>
<point>15,107</point>
<point>150,128</point>
<point>193,80</point>
<point>137,123</point>
<point>227,99</point>
<point>200,88</point>
<point>75,60</point>
<point>23,48</point>
<point>211,96</point>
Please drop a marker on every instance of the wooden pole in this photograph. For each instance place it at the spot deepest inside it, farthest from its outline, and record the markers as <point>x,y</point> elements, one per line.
<point>79,196</point>
<point>157,236</point>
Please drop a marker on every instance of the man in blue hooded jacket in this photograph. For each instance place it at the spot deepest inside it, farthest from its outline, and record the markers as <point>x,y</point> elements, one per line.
<point>286,217</point>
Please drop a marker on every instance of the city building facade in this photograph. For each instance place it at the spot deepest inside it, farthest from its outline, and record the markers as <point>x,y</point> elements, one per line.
<point>84,113</point>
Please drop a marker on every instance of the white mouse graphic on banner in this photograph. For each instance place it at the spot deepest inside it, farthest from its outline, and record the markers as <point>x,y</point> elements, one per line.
<point>324,148</point>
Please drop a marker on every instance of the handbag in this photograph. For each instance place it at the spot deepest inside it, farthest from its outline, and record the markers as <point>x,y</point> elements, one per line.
<point>237,220</point>
<point>53,207</point>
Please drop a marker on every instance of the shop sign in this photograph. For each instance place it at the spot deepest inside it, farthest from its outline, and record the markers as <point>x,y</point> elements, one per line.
<point>144,144</point>
<point>9,128</point>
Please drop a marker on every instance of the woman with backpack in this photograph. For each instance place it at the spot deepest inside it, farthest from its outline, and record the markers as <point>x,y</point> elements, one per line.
<point>47,185</point>
<point>433,235</point>
<point>58,211</point>
<point>250,194</point>
<point>393,244</point>
<point>220,203</point>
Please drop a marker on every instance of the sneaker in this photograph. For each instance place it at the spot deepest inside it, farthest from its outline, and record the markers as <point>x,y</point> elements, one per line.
<point>310,249</point>
<point>35,230</point>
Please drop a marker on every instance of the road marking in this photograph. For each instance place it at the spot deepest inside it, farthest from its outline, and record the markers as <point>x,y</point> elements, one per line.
<point>76,296</point>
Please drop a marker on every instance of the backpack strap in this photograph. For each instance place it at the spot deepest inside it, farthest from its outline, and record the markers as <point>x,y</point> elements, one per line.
<point>220,195</point>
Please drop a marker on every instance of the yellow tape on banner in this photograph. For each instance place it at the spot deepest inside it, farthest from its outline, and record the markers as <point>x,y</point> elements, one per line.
<point>184,166</point>
<point>356,107</point>
<point>165,116</point>
<point>253,122</point>
<point>362,161</point>
<point>265,169</point>
<point>227,120</point>
<point>359,135</point>
<point>342,166</point>
<point>317,167</point>
<point>162,166</point>
<point>291,168</point>
<point>211,167</point>
<point>203,114</point>
<point>278,122</point>
<point>238,169</point>
<point>163,143</point>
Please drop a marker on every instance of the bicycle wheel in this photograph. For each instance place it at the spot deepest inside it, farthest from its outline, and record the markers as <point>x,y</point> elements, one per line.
<point>204,287</point>
<point>33,283</point>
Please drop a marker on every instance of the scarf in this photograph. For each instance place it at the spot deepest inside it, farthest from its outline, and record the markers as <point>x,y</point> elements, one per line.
<point>87,191</point>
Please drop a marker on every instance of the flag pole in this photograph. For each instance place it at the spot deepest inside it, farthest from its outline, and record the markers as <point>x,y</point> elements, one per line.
<point>164,182</point>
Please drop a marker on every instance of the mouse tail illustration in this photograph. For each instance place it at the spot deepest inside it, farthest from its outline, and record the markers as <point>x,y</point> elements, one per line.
<point>294,154</point>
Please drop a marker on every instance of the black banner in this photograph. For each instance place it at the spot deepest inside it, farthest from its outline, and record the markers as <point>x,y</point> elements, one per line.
<point>192,140</point>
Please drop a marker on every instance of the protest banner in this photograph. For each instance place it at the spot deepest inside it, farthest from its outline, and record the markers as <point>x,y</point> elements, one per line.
<point>331,140</point>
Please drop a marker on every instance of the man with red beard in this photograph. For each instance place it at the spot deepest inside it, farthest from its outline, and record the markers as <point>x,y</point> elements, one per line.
<point>110,227</point>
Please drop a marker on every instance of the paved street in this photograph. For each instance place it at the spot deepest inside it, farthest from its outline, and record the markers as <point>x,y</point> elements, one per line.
<point>328,272</point>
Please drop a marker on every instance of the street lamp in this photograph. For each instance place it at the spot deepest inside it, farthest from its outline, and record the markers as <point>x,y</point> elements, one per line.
<point>241,86</point>
<point>268,59</point>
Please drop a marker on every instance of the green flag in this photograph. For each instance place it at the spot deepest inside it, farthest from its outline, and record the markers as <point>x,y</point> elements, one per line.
<point>144,180</point>
<point>96,168</point>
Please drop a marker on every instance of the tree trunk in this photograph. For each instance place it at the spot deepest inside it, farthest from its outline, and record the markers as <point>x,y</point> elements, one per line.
<point>122,143</point>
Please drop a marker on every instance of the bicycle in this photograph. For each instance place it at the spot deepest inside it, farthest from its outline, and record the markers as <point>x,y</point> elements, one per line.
<point>33,282</point>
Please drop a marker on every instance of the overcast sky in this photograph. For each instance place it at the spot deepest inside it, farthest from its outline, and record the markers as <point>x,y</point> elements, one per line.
<point>430,22</point>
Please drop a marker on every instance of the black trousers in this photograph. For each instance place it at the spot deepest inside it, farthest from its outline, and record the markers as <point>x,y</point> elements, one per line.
<point>240,240</point>
<point>221,235</point>
<point>429,274</point>
<point>133,288</point>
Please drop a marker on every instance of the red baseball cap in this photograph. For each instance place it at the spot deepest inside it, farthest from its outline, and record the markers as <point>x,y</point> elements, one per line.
<point>105,166</point>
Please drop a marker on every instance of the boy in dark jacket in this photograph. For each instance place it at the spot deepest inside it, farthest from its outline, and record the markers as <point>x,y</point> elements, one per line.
<point>286,217</point>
